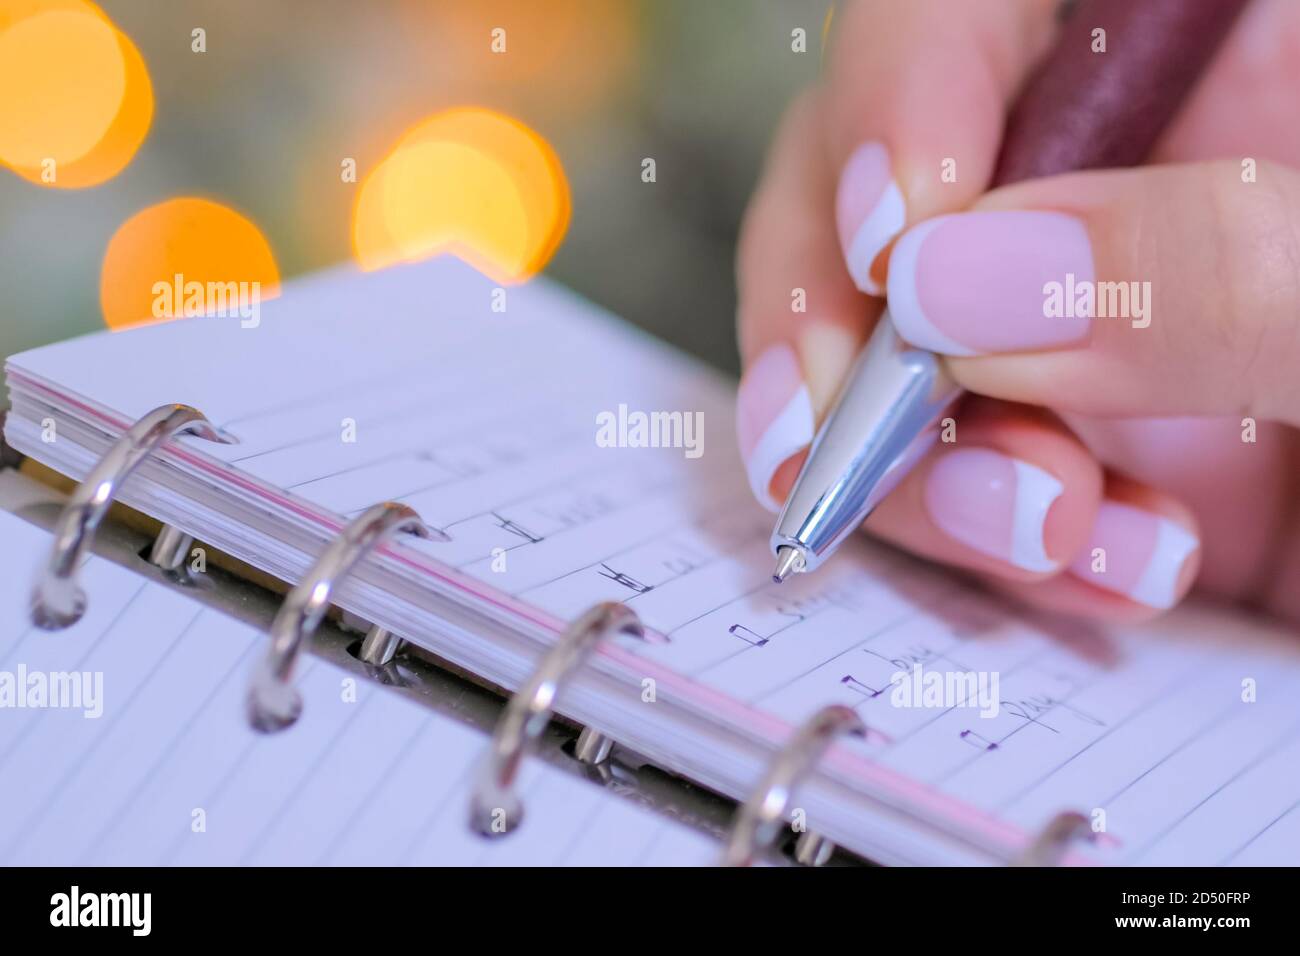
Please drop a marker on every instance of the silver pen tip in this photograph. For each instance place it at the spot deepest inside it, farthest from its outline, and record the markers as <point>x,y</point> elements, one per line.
<point>788,561</point>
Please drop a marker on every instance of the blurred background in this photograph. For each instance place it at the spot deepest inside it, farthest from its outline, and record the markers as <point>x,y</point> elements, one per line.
<point>265,117</point>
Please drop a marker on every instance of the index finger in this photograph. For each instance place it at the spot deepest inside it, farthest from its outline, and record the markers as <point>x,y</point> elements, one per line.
<point>916,97</point>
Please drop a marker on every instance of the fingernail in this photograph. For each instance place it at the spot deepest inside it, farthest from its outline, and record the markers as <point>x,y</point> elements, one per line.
<point>827,351</point>
<point>977,283</point>
<point>869,211</point>
<point>1136,553</point>
<point>774,418</point>
<point>993,503</point>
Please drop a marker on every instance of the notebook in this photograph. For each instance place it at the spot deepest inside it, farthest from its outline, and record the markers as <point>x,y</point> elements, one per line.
<point>573,459</point>
<point>148,759</point>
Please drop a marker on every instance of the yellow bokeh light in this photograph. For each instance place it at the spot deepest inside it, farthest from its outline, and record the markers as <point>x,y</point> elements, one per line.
<point>72,77</point>
<point>446,196</point>
<point>528,159</point>
<point>176,244</point>
<point>78,100</point>
<point>471,182</point>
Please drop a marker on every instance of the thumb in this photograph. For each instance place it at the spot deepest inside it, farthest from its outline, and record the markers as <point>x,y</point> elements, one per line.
<point>1169,290</point>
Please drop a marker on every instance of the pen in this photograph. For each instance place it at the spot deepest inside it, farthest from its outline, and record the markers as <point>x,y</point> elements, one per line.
<point>1089,105</point>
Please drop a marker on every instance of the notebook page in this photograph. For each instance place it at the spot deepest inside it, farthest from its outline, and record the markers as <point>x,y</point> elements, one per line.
<point>1109,722</point>
<point>155,763</point>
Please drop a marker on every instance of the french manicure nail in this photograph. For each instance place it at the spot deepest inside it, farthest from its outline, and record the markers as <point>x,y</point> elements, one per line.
<point>1136,553</point>
<point>869,211</point>
<point>993,503</point>
<point>774,418</point>
<point>976,283</point>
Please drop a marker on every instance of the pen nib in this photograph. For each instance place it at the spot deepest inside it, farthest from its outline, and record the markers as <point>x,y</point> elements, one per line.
<point>788,561</point>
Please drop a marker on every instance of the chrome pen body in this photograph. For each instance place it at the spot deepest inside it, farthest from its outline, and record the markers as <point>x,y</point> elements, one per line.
<point>881,425</point>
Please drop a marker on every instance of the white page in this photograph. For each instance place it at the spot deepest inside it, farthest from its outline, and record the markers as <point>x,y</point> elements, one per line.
<point>170,773</point>
<point>486,423</point>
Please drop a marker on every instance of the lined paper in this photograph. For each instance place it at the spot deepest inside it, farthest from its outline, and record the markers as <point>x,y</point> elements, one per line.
<point>170,774</point>
<point>486,424</point>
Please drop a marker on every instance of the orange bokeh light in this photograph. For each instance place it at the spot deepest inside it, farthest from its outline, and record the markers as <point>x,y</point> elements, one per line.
<point>198,240</point>
<point>471,182</point>
<point>84,100</point>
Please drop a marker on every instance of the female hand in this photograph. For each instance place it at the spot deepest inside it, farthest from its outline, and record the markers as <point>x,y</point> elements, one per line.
<point>1101,465</point>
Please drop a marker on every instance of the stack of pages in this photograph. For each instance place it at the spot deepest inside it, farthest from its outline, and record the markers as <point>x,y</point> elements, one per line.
<point>572,459</point>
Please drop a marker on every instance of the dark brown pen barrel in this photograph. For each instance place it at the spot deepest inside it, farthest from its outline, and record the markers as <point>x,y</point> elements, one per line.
<point>1082,109</point>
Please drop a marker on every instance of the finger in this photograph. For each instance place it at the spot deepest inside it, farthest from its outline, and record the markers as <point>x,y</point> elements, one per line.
<point>1242,492</point>
<point>1142,557</point>
<point>1014,496</point>
<point>1161,291</point>
<point>916,95</point>
<point>800,318</point>
<point>1020,500</point>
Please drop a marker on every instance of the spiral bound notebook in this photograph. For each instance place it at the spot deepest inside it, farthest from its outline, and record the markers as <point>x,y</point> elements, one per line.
<point>146,760</point>
<point>570,460</point>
